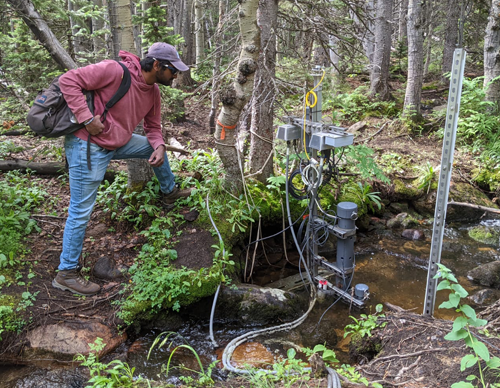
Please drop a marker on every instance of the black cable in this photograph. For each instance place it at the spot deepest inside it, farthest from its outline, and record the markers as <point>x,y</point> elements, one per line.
<point>276,234</point>
<point>295,192</point>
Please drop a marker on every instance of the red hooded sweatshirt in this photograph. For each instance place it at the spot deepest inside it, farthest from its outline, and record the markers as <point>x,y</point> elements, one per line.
<point>142,101</point>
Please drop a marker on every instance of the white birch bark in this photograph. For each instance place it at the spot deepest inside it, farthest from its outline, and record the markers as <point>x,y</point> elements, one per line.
<point>237,95</point>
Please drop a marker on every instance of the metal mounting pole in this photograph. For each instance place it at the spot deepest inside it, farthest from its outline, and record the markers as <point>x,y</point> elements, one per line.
<point>450,133</point>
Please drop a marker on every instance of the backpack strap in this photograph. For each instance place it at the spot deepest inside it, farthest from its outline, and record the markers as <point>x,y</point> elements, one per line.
<point>122,90</point>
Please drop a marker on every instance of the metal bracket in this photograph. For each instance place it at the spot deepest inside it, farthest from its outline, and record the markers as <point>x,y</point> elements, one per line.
<point>345,296</point>
<point>450,133</point>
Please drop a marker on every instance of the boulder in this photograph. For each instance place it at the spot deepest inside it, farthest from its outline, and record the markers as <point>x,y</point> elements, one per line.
<point>413,234</point>
<point>64,341</point>
<point>105,268</point>
<point>487,275</point>
<point>402,220</point>
<point>485,297</point>
<point>252,305</point>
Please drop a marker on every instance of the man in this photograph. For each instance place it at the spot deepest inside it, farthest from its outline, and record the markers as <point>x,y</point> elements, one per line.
<point>112,139</point>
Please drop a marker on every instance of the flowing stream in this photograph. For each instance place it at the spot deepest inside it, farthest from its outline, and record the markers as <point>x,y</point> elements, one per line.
<point>395,270</point>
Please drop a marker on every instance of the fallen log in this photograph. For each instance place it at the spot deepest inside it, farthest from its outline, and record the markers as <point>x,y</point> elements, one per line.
<point>48,168</point>
<point>15,132</point>
<point>479,207</point>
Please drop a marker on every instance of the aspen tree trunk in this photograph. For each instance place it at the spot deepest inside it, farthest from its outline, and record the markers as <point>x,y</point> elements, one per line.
<point>450,36</point>
<point>199,32</point>
<point>368,38</point>
<point>430,28</point>
<point>43,33</point>
<point>99,41</point>
<point>261,128</point>
<point>219,48</point>
<point>403,19</point>
<point>333,54</point>
<point>139,170</point>
<point>122,29</point>
<point>237,95</point>
<point>379,79</point>
<point>411,109</point>
<point>492,53</point>
<point>187,56</point>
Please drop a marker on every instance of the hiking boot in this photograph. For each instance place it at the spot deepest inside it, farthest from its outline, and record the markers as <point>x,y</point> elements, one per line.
<point>175,194</point>
<point>71,280</point>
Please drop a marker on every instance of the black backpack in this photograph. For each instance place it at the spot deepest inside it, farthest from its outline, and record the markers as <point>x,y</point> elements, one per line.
<point>50,115</point>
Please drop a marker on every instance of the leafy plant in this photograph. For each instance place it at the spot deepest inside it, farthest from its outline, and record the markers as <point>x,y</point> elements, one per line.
<point>365,324</point>
<point>286,372</point>
<point>363,192</point>
<point>361,158</point>
<point>356,105</point>
<point>7,147</point>
<point>328,355</point>
<point>9,321</point>
<point>479,120</point>
<point>428,177</point>
<point>112,375</point>
<point>461,330</point>
<point>204,378</point>
<point>353,375</point>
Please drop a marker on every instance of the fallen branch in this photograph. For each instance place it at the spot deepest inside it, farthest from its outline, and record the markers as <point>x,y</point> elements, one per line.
<point>478,207</point>
<point>408,354</point>
<point>376,133</point>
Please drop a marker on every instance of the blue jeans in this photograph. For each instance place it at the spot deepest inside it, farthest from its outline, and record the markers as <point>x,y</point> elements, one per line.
<point>84,183</point>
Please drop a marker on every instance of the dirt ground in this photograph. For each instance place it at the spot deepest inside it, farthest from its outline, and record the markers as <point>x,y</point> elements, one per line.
<point>414,353</point>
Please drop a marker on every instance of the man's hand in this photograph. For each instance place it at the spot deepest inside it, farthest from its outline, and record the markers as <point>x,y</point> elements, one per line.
<point>157,157</point>
<point>95,127</point>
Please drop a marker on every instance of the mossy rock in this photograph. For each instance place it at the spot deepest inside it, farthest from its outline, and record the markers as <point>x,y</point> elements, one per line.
<point>251,305</point>
<point>402,220</point>
<point>407,190</point>
<point>487,179</point>
<point>464,192</point>
<point>485,235</point>
<point>459,192</point>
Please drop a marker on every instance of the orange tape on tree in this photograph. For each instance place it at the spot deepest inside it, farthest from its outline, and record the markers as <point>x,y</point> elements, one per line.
<point>224,127</point>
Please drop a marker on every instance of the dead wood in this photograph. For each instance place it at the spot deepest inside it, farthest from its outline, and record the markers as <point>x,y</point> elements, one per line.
<point>48,168</point>
<point>15,132</point>
<point>479,207</point>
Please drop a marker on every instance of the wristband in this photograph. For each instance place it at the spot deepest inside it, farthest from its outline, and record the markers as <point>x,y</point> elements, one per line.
<point>88,121</point>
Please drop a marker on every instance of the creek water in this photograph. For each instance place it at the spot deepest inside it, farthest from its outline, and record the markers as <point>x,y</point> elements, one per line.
<point>395,270</point>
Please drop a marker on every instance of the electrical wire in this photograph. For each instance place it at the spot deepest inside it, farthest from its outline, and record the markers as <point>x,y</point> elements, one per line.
<point>228,351</point>
<point>306,105</point>
<point>212,312</point>
<point>276,234</point>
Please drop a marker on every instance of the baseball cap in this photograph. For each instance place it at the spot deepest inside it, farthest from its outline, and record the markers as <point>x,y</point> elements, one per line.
<point>166,52</point>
